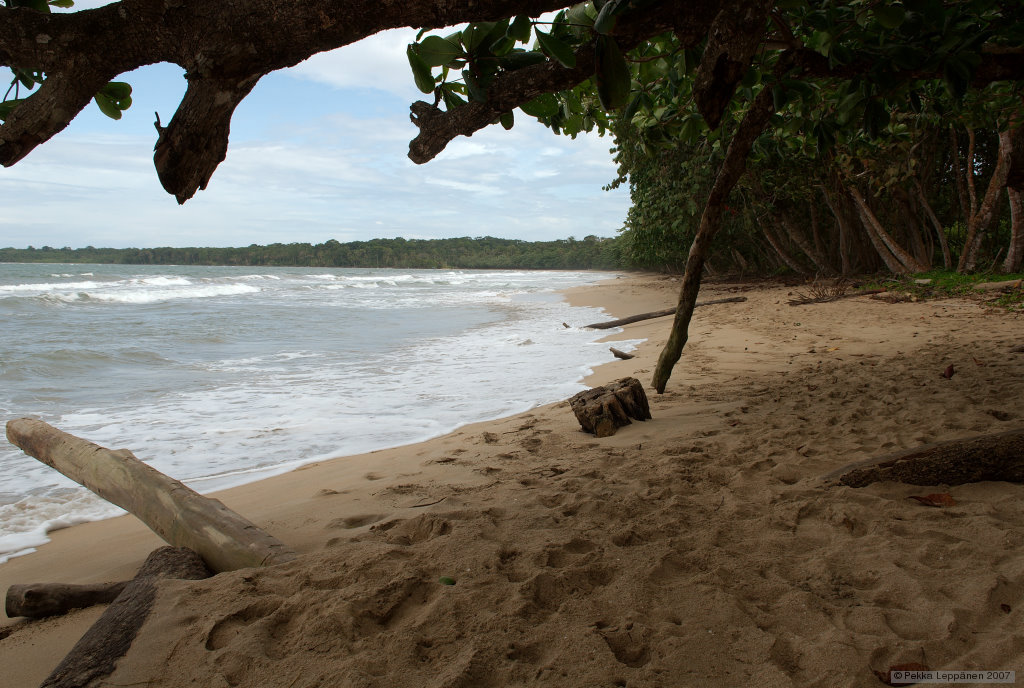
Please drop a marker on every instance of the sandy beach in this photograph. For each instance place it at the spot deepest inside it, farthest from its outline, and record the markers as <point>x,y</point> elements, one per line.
<point>700,548</point>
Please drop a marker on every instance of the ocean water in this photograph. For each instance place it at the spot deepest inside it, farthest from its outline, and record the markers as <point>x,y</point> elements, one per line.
<point>220,375</point>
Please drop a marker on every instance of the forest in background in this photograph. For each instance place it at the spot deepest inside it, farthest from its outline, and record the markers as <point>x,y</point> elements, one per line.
<point>589,253</point>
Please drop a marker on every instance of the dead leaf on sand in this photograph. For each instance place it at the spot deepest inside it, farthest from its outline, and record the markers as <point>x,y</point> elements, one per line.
<point>948,373</point>
<point>938,499</point>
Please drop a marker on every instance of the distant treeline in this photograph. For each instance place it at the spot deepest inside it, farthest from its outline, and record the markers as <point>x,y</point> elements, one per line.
<point>589,253</point>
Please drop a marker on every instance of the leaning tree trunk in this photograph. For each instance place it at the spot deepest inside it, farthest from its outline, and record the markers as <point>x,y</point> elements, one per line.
<point>178,514</point>
<point>895,256</point>
<point>1015,253</point>
<point>732,168</point>
<point>947,259</point>
<point>982,218</point>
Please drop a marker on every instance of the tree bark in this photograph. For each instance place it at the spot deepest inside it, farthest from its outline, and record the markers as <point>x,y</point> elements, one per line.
<point>178,514</point>
<point>904,261</point>
<point>603,410</point>
<point>985,457</point>
<point>1014,260</point>
<point>95,655</point>
<point>947,259</point>
<point>780,250</point>
<point>809,249</point>
<point>732,169</point>
<point>37,600</point>
<point>982,218</point>
<point>608,324</point>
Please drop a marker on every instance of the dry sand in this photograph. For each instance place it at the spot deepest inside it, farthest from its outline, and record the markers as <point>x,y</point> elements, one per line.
<point>700,548</point>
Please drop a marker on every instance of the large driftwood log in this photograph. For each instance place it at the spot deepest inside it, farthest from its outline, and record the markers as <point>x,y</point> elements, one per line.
<point>603,410</point>
<point>94,656</point>
<point>178,514</point>
<point>37,600</point>
<point>984,457</point>
<point>658,314</point>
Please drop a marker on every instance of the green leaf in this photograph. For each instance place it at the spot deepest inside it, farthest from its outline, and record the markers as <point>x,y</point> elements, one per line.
<point>779,97</point>
<point>520,28</point>
<point>579,16</point>
<point>889,16</point>
<point>117,90</point>
<point>450,97</point>
<point>606,18</point>
<point>556,49</point>
<point>477,92</point>
<point>8,106</point>
<point>446,580</point>
<point>420,71</point>
<point>612,75</point>
<point>63,4</point>
<point>436,51</point>
<point>507,119</point>
<point>541,106</point>
<point>631,108</point>
<point>107,106</point>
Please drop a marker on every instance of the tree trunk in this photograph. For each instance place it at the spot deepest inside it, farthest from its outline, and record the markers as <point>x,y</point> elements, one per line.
<point>776,244</point>
<point>904,262</point>
<point>176,513</point>
<point>922,250</point>
<point>947,259</point>
<point>37,600</point>
<point>711,219</point>
<point>608,324</point>
<point>842,218</point>
<point>985,457</point>
<point>1015,253</point>
<point>980,220</point>
<point>603,410</point>
<point>958,173</point>
<point>810,250</point>
<point>95,655</point>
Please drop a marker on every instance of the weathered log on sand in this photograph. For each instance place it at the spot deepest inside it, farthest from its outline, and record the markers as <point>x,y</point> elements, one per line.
<point>93,657</point>
<point>621,354</point>
<point>603,410</point>
<point>658,314</point>
<point>37,600</point>
<point>178,514</point>
<point>974,459</point>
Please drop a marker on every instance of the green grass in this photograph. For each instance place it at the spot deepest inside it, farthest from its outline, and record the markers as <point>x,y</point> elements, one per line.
<point>945,284</point>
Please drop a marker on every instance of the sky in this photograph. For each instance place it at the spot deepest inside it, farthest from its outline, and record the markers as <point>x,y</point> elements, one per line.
<point>317,152</point>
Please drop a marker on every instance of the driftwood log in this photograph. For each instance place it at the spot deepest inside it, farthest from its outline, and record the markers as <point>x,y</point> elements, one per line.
<point>658,314</point>
<point>178,514</point>
<point>37,600</point>
<point>621,354</point>
<point>94,656</point>
<point>603,410</point>
<point>974,459</point>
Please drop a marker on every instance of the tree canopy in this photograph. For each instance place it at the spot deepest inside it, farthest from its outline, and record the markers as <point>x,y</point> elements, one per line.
<point>857,93</point>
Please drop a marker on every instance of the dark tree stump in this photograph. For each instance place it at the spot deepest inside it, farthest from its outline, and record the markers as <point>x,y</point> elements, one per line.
<point>37,600</point>
<point>974,459</point>
<point>603,410</point>
<point>95,655</point>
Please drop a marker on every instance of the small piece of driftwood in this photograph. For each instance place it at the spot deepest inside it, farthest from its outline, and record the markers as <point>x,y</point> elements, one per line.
<point>178,514</point>
<point>621,354</point>
<point>658,314</point>
<point>985,457</point>
<point>603,410</point>
<point>37,600</point>
<point>95,654</point>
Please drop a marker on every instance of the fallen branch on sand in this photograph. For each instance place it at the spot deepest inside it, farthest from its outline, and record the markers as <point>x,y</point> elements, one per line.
<point>827,294</point>
<point>974,459</point>
<point>95,654</point>
<point>603,410</point>
<point>658,314</point>
<point>621,354</point>
<point>38,600</point>
<point>178,514</point>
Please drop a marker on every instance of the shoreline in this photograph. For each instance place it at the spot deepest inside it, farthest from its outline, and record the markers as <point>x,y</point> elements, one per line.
<point>699,544</point>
